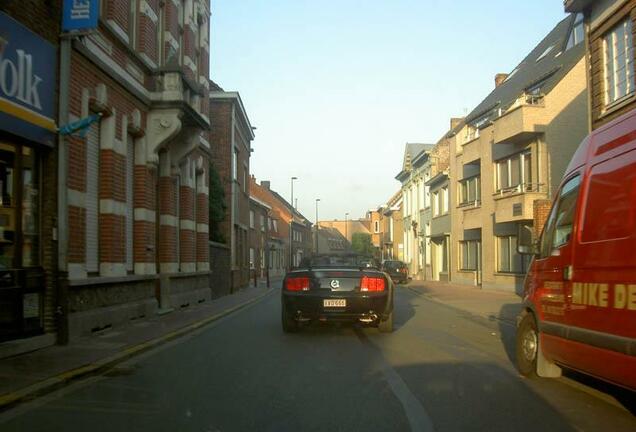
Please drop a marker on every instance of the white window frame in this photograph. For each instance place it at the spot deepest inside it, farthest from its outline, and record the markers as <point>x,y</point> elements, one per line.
<point>235,164</point>
<point>445,200</point>
<point>612,69</point>
<point>262,222</point>
<point>523,185</point>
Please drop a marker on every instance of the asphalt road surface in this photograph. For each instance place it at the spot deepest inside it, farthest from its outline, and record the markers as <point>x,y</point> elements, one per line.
<point>440,370</point>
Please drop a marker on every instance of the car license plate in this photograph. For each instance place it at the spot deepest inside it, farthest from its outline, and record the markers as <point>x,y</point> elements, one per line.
<point>334,303</point>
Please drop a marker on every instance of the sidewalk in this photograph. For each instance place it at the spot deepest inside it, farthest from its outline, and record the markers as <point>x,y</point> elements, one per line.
<point>492,305</point>
<point>29,375</point>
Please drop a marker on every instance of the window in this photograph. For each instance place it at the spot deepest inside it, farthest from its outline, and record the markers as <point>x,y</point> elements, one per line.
<point>515,172</point>
<point>245,179</point>
<point>251,218</point>
<point>263,223</point>
<point>130,169</point>
<point>92,198</point>
<point>469,251</point>
<point>509,261</point>
<point>545,53</point>
<point>578,32</point>
<point>445,199</point>
<point>558,228</point>
<point>235,165</point>
<point>436,203</point>
<point>275,225</point>
<point>376,227</point>
<point>618,53</point>
<point>133,31</point>
<point>252,265</point>
<point>470,191</point>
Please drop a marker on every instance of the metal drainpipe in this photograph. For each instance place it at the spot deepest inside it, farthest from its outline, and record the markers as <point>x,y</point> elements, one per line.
<point>62,193</point>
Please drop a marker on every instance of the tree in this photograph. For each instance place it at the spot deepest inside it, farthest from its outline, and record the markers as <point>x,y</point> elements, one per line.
<point>361,244</point>
<point>217,206</point>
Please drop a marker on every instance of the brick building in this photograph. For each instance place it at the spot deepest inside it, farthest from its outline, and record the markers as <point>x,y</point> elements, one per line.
<point>29,31</point>
<point>260,224</point>
<point>136,187</point>
<point>231,138</point>
<point>277,247</point>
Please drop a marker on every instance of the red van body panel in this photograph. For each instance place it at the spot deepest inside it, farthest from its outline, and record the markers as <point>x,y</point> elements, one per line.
<point>582,286</point>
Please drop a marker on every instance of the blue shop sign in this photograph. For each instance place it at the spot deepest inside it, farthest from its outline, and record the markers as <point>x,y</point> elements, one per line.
<point>28,74</point>
<point>80,15</point>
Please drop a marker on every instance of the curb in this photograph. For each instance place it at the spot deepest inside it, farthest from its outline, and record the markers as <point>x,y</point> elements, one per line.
<point>51,384</point>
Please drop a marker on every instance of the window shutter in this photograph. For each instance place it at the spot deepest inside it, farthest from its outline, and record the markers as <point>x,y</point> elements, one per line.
<point>130,169</point>
<point>92,198</point>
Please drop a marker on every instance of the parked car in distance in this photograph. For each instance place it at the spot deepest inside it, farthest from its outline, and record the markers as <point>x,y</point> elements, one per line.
<point>337,288</point>
<point>580,291</point>
<point>397,270</point>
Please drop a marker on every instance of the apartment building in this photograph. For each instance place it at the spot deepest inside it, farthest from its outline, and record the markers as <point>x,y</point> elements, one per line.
<point>610,50</point>
<point>416,171</point>
<point>508,155</point>
<point>259,237</point>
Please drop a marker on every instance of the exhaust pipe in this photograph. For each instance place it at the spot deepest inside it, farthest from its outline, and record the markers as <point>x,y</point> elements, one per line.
<point>371,317</point>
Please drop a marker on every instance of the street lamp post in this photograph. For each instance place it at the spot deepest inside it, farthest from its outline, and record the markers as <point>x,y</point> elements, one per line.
<point>291,226</point>
<point>316,226</point>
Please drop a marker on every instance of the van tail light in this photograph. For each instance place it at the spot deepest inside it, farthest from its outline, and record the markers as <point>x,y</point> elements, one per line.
<point>297,284</point>
<point>403,269</point>
<point>372,284</point>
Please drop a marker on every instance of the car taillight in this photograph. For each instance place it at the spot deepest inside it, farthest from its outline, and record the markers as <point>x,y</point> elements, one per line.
<point>372,284</point>
<point>403,269</point>
<point>297,284</point>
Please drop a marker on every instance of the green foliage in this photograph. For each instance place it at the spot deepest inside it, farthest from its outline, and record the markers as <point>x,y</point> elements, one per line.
<point>361,244</point>
<point>217,206</point>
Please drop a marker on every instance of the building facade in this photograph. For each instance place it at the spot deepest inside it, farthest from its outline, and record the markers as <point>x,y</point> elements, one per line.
<point>259,238</point>
<point>277,228</point>
<point>134,210</point>
<point>508,155</point>
<point>610,26</point>
<point>331,242</point>
<point>391,228</point>
<point>231,139</point>
<point>418,167</point>
<point>29,58</point>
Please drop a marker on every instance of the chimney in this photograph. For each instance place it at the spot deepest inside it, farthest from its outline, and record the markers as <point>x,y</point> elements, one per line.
<point>500,78</point>
<point>265,184</point>
<point>455,121</point>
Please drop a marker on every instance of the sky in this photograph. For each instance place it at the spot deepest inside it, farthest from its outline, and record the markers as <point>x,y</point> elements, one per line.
<point>336,88</point>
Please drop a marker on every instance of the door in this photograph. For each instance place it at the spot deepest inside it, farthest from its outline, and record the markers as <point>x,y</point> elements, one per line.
<point>554,268</point>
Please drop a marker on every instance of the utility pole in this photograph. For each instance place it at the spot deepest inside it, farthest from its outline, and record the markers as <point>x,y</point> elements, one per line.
<point>291,227</point>
<point>316,226</point>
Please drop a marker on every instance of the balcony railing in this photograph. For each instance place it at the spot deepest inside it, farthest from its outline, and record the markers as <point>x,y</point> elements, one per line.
<point>520,188</point>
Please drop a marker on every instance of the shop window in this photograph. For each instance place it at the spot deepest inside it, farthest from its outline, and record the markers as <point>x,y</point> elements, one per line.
<point>20,209</point>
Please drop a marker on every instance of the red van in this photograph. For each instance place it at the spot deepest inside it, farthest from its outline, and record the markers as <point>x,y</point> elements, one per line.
<point>580,290</point>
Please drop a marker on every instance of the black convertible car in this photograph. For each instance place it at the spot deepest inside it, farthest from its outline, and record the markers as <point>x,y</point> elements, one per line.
<point>337,288</point>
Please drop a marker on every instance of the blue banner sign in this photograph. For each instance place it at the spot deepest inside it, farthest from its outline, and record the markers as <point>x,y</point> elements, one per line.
<point>80,15</point>
<point>28,75</point>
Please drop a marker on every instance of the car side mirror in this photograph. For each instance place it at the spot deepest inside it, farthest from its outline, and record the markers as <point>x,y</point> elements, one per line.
<point>526,243</point>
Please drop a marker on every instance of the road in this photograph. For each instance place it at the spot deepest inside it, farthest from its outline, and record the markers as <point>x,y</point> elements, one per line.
<point>440,370</point>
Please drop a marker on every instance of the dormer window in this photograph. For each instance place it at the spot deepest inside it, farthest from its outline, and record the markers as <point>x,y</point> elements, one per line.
<point>545,53</point>
<point>578,32</point>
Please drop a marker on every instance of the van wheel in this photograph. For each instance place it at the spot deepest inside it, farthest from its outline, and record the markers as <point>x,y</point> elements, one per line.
<point>527,346</point>
<point>386,326</point>
<point>290,325</point>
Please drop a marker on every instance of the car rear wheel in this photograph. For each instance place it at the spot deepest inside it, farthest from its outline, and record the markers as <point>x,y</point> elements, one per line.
<point>386,326</point>
<point>527,346</point>
<point>290,325</point>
